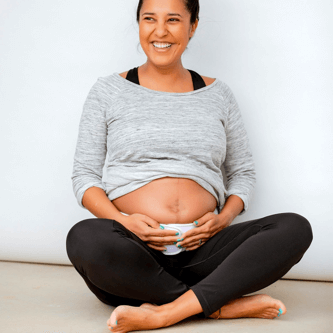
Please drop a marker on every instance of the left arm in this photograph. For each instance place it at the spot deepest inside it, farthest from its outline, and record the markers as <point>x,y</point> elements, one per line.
<point>240,176</point>
<point>233,206</point>
<point>239,164</point>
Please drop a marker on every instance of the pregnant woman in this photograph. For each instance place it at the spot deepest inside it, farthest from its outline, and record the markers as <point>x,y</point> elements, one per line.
<point>161,247</point>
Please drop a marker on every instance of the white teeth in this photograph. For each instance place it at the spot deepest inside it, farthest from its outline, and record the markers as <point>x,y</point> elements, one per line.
<point>162,46</point>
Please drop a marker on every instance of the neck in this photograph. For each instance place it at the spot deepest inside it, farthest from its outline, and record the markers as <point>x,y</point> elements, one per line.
<point>166,74</point>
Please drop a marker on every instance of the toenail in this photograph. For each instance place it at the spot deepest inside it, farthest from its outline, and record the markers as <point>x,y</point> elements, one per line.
<point>280,311</point>
<point>116,322</point>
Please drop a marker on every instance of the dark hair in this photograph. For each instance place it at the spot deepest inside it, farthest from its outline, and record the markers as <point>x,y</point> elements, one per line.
<point>192,7</point>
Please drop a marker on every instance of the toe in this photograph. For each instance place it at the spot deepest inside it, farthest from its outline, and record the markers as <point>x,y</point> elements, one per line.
<point>214,315</point>
<point>267,316</point>
<point>281,308</point>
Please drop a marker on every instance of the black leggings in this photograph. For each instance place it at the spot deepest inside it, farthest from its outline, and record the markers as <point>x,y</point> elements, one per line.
<point>120,269</point>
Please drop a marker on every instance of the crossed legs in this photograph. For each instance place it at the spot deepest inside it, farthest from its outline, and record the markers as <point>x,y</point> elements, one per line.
<point>241,259</point>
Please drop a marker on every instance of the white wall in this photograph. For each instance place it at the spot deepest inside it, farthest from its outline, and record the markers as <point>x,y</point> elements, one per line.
<point>275,56</point>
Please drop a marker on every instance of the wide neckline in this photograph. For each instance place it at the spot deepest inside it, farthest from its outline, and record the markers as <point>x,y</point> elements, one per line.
<point>165,92</point>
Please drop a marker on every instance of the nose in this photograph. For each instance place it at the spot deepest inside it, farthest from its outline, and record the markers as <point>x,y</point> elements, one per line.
<point>160,29</point>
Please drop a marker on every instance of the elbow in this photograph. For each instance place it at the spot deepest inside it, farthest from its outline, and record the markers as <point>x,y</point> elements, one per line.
<point>81,184</point>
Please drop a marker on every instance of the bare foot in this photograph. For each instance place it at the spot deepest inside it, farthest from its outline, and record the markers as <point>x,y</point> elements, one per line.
<point>126,318</point>
<point>256,306</point>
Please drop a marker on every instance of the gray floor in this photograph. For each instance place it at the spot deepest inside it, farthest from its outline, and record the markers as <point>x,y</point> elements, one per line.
<point>54,299</point>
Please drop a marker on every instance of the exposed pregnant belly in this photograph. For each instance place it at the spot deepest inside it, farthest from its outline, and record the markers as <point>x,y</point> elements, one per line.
<point>168,200</point>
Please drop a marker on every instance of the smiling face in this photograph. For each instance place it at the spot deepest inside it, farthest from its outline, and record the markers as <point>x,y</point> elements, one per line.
<point>165,30</point>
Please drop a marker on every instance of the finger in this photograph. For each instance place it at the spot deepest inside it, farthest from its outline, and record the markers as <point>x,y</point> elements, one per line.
<point>192,233</point>
<point>195,239</point>
<point>205,230</point>
<point>191,248</point>
<point>200,228</point>
<point>159,231</point>
<point>162,244</point>
<point>151,222</point>
<point>164,234</point>
<point>155,247</point>
<point>204,219</point>
<point>193,244</point>
<point>164,240</point>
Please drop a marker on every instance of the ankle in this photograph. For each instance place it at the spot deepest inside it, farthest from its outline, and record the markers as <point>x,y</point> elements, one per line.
<point>164,314</point>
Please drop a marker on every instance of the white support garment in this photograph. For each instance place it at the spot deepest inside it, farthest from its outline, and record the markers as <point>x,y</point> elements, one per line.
<point>179,228</point>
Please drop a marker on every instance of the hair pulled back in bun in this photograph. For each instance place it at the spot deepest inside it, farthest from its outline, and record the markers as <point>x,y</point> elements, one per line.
<point>192,7</point>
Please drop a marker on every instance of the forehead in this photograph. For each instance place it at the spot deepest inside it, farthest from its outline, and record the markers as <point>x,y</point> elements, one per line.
<point>161,6</point>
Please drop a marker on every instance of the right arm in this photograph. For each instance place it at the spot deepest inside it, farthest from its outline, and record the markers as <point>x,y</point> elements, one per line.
<point>87,173</point>
<point>97,202</point>
<point>147,229</point>
<point>90,153</point>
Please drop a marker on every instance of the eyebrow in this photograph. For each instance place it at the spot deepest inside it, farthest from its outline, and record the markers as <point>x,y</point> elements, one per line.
<point>169,14</point>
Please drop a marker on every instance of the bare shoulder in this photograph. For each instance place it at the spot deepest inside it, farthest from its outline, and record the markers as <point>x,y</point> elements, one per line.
<point>208,80</point>
<point>123,74</point>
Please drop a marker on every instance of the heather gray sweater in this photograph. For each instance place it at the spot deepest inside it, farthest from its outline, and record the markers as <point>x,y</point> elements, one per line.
<point>149,134</point>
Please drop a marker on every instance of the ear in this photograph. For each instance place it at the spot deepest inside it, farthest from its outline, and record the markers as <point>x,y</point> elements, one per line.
<point>194,27</point>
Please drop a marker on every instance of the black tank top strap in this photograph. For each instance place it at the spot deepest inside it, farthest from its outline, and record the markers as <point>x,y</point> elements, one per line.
<point>132,75</point>
<point>198,82</point>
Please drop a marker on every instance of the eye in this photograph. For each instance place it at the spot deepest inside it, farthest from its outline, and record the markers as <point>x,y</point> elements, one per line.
<point>148,19</point>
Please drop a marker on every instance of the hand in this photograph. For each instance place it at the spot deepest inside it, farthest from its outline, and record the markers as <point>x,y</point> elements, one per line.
<point>149,231</point>
<point>208,226</point>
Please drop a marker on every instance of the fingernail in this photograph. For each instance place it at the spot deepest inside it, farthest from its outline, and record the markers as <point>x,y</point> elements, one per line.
<point>196,222</point>
<point>179,246</point>
<point>161,226</point>
<point>177,233</point>
<point>180,240</point>
<point>175,243</point>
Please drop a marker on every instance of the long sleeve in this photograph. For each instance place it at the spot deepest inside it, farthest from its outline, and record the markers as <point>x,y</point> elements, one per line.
<point>239,165</point>
<point>91,144</point>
